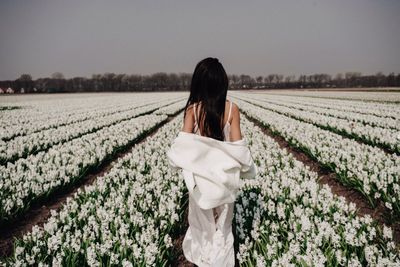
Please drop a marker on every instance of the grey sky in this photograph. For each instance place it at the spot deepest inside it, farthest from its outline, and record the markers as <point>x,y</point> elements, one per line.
<point>79,38</point>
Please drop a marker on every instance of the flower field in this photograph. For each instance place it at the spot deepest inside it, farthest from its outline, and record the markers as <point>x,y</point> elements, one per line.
<point>133,214</point>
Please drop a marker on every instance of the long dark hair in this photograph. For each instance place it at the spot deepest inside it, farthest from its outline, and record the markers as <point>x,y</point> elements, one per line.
<point>209,86</point>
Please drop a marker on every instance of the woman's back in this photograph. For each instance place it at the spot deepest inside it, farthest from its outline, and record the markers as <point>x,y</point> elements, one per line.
<point>227,124</point>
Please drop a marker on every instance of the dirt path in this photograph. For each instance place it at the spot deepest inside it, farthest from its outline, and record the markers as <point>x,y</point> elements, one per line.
<point>380,213</point>
<point>40,212</point>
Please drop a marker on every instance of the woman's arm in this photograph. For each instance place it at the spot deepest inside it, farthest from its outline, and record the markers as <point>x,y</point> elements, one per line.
<point>188,122</point>
<point>235,133</point>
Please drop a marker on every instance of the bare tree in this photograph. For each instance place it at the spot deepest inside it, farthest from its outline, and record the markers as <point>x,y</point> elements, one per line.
<point>57,75</point>
<point>107,80</point>
<point>290,78</point>
<point>25,78</point>
<point>279,78</point>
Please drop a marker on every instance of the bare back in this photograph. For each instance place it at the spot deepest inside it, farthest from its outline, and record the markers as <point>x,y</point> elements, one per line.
<point>231,118</point>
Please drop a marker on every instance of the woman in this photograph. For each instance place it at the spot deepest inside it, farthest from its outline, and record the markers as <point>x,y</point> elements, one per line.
<point>208,89</point>
<point>213,156</point>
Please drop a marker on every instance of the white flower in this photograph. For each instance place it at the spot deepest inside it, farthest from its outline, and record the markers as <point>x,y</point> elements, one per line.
<point>387,232</point>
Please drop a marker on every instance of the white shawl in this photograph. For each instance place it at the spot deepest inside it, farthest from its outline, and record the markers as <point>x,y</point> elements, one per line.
<point>211,168</point>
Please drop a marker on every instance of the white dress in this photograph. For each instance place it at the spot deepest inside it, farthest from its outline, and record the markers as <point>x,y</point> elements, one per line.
<point>209,238</point>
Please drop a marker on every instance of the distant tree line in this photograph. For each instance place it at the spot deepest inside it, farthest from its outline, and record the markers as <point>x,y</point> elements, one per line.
<point>162,81</point>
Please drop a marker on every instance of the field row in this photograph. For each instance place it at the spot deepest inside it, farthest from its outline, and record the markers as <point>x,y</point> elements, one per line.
<point>383,110</point>
<point>365,168</point>
<point>340,94</point>
<point>171,109</point>
<point>23,121</point>
<point>283,216</point>
<point>38,175</point>
<point>339,110</point>
<point>124,218</point>
<point>25,145</point>
<point>383,137</point>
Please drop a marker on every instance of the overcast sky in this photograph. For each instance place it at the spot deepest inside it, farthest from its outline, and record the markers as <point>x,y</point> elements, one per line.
<point>79,38</point>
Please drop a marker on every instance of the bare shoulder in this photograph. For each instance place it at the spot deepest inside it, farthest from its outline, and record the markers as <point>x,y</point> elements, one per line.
<point>235,109</point>
<point>188,120</point>
<point>235,133</point>
<point>189,109</point>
